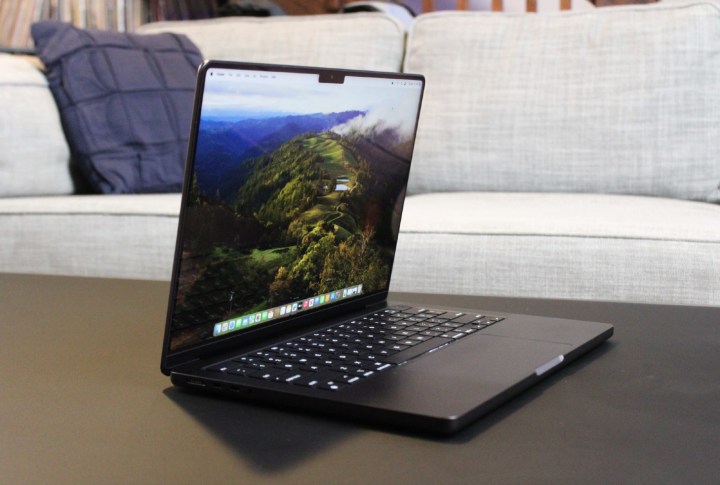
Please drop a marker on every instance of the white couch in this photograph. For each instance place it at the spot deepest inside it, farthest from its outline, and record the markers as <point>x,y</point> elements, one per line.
<point>564,155</point>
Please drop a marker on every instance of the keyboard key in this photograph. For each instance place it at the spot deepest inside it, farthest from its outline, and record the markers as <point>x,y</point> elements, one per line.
<point>464,318</point>
<point>414,319</point>
<point>292,377</point>
<point>397,308</point>
<point>334,381</point>
<point>431,333</point>
<point>395,337</point>
<point>370,357</point>
<point>413,351</point>
<point>347,378</point>
<point>222,367</point>
<point>488,321</point>
<point>409,342</point>
<point>405,333</point>
<point>330,386</point>
<point>391,319</point>
<point>454,335</point>
<point>237,371</point>
<point>435,313</point>
<point>420,338</point>
<point>416,310</point>
<point>425,315</point>
<point>266,374</point>
<point>437,320</point>
<point>306,381</point>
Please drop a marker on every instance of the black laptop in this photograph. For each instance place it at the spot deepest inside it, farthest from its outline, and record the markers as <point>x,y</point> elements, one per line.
<point>293,195</point>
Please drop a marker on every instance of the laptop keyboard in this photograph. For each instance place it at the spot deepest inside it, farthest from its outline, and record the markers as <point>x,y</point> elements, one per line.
<point>351,351</point>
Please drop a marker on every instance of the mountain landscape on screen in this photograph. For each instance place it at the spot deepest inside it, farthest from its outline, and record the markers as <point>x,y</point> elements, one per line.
<point>285,207</point>
<point>224,144</point>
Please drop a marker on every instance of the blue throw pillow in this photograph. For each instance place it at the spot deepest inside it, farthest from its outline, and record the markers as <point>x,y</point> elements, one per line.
<point>125,101</point>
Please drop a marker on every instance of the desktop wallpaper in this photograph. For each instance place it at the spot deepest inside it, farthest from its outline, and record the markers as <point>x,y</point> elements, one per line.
<point>295,193</point>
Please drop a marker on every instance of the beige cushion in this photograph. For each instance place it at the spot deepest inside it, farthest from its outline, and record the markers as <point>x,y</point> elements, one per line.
<point>358,41</point>
<point>549,245</point>
<point>34,157</point>
<point>117,236</point>
<point>614,100</point>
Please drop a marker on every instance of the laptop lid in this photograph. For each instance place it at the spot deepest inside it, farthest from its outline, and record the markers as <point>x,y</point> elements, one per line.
<point>294,186</point>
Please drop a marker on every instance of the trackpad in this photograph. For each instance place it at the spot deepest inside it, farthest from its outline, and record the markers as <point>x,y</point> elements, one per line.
<point>488,359</point>
<point>546,329</point>
<point>463,375</point>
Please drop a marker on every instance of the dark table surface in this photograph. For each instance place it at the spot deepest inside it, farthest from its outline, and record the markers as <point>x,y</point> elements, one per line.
<point>82,400</point>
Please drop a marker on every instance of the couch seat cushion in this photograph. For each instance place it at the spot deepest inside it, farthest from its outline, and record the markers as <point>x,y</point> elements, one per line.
<point>121,236</point>
<point>577,246</point>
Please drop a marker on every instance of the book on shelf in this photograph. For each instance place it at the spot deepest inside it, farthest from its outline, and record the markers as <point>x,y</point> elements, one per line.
<point>16,16</point>
<point>160,10</point>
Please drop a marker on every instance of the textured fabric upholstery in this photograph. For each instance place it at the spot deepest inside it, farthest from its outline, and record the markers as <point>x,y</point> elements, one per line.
<point>120,236</point>
<point>617,100</point>
<point>34,156</point>
<point>577,246</point>
<point>357,41</point>
<point>125,101</point>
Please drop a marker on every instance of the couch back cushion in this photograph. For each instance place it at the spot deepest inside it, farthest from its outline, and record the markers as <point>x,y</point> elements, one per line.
<point>357,41</point>
<point>34,157</point>
<point>618,100</point>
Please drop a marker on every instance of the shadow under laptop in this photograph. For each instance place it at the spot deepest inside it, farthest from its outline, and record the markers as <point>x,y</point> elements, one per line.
<point>270,439</point>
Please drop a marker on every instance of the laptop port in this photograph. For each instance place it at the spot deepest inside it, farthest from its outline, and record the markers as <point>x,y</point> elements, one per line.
<point>195,382</point>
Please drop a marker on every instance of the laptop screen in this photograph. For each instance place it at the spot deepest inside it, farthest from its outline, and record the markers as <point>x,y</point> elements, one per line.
<point>297,185</point>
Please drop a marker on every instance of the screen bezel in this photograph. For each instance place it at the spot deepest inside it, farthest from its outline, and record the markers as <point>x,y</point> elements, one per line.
<point>171,360</point>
